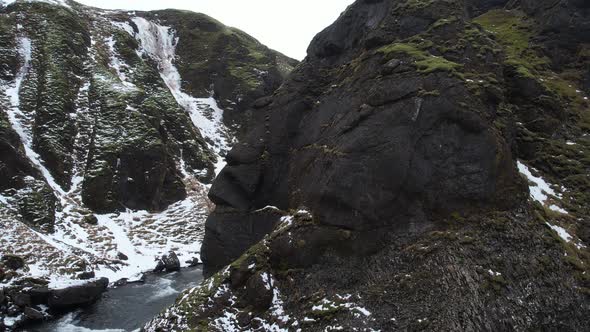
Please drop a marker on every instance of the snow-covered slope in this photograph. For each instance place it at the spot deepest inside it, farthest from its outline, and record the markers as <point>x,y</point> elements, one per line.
<point>115,129</point>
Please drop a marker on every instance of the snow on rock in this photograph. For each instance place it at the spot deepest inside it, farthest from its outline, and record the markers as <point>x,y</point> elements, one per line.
<point>53,2</point>
<point>159,43</point>
<point>77,245</point>
<point>561,232</point>
<point>540,190</point>
<point>117,64</point>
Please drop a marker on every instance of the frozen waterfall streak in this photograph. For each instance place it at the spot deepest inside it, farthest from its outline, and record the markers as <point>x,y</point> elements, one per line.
<point>159,43</point>
<point>22,124</point>
<point>19,120</point>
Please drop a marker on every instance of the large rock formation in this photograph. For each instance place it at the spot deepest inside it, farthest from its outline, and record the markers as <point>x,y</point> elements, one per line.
<point>373,130</point>
<point>382,189</point>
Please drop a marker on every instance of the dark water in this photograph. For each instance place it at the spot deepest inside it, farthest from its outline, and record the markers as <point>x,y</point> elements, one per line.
<point>126,308</point>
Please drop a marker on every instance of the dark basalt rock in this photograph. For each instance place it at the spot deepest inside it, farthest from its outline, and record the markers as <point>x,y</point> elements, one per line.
<point>365,151</point>
<point>75,296</point>
<point>21,299</point>
<point>33,314</point>
<point>169,262</point>
<point>86,275</point>
<point>39,295</point>
<point>13,262</point>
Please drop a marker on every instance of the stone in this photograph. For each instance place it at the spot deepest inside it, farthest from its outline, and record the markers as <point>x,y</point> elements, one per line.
<point>86,275</point>
<point>390,66</point>
<point>160,266</point>
<point>121,282</point>
<point>258,292</point>
<point>33,314</point>
<point>122,256</point>
<point>39,295</point>
<point>244,318</point>
<point>21,299</point>
<point>90,219</point>
<point>2,296</point>
<point>13,262</point>
<point>171,262</point>
<point>76,296</point>
<point>194,262</point>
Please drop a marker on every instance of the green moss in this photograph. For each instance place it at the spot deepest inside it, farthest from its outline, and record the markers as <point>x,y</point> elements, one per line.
<point>431,93</point>
<point>434,63</point>
<point>444,21</point>
<point>456,216</point>
<point>514,30</point>
<point>425,62</point>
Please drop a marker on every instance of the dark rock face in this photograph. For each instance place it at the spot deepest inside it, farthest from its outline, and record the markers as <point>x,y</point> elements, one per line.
<point>61,299</point>
<point>36,201</point>
<point>33,314</point>
<point>401,133</point>
<point>366,150</point>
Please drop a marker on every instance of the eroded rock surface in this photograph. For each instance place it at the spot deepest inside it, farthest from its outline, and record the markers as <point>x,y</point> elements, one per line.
<point>387,187</point>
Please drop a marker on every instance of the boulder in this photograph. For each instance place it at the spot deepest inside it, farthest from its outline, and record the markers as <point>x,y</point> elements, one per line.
<point>76,296</point>
<point>90,219</point>
<point>258,292</point>
<point>171,262</point>
<point>39,295</point>
<point>121,282</point>
<point>33,314</point>
<point>194,262</point>
<point>160,266</point>
<point>20,298</point>
<point>13,262</point>
<point>86,275</point>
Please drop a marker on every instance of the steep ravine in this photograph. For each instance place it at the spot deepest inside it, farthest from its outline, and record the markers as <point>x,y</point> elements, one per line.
<point>107,152</point>
<point>424,168</point>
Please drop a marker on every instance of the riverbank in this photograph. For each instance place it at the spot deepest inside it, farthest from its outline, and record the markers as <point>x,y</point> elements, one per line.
<point>124,308</point>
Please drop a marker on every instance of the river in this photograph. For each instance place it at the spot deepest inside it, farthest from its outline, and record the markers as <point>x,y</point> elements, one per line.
<point>126,308</point>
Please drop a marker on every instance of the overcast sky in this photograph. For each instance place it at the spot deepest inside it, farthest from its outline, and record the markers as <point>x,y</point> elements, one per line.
<point>286,26</point>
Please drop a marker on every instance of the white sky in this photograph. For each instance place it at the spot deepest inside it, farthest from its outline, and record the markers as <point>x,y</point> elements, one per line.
<point>286,26</point>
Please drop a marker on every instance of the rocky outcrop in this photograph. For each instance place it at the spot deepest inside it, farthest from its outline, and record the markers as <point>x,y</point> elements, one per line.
<point>365,143</point>
<point>75,296</point>
<point>403,134</point>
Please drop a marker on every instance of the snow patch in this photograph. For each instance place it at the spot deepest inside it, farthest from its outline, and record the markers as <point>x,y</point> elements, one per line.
<point>561,232</point>
<point>159,43</point>
<point>540,190</point>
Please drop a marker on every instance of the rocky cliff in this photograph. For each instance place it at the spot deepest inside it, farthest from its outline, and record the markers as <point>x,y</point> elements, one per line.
<point>424,168</point>
<point>111,132</point>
